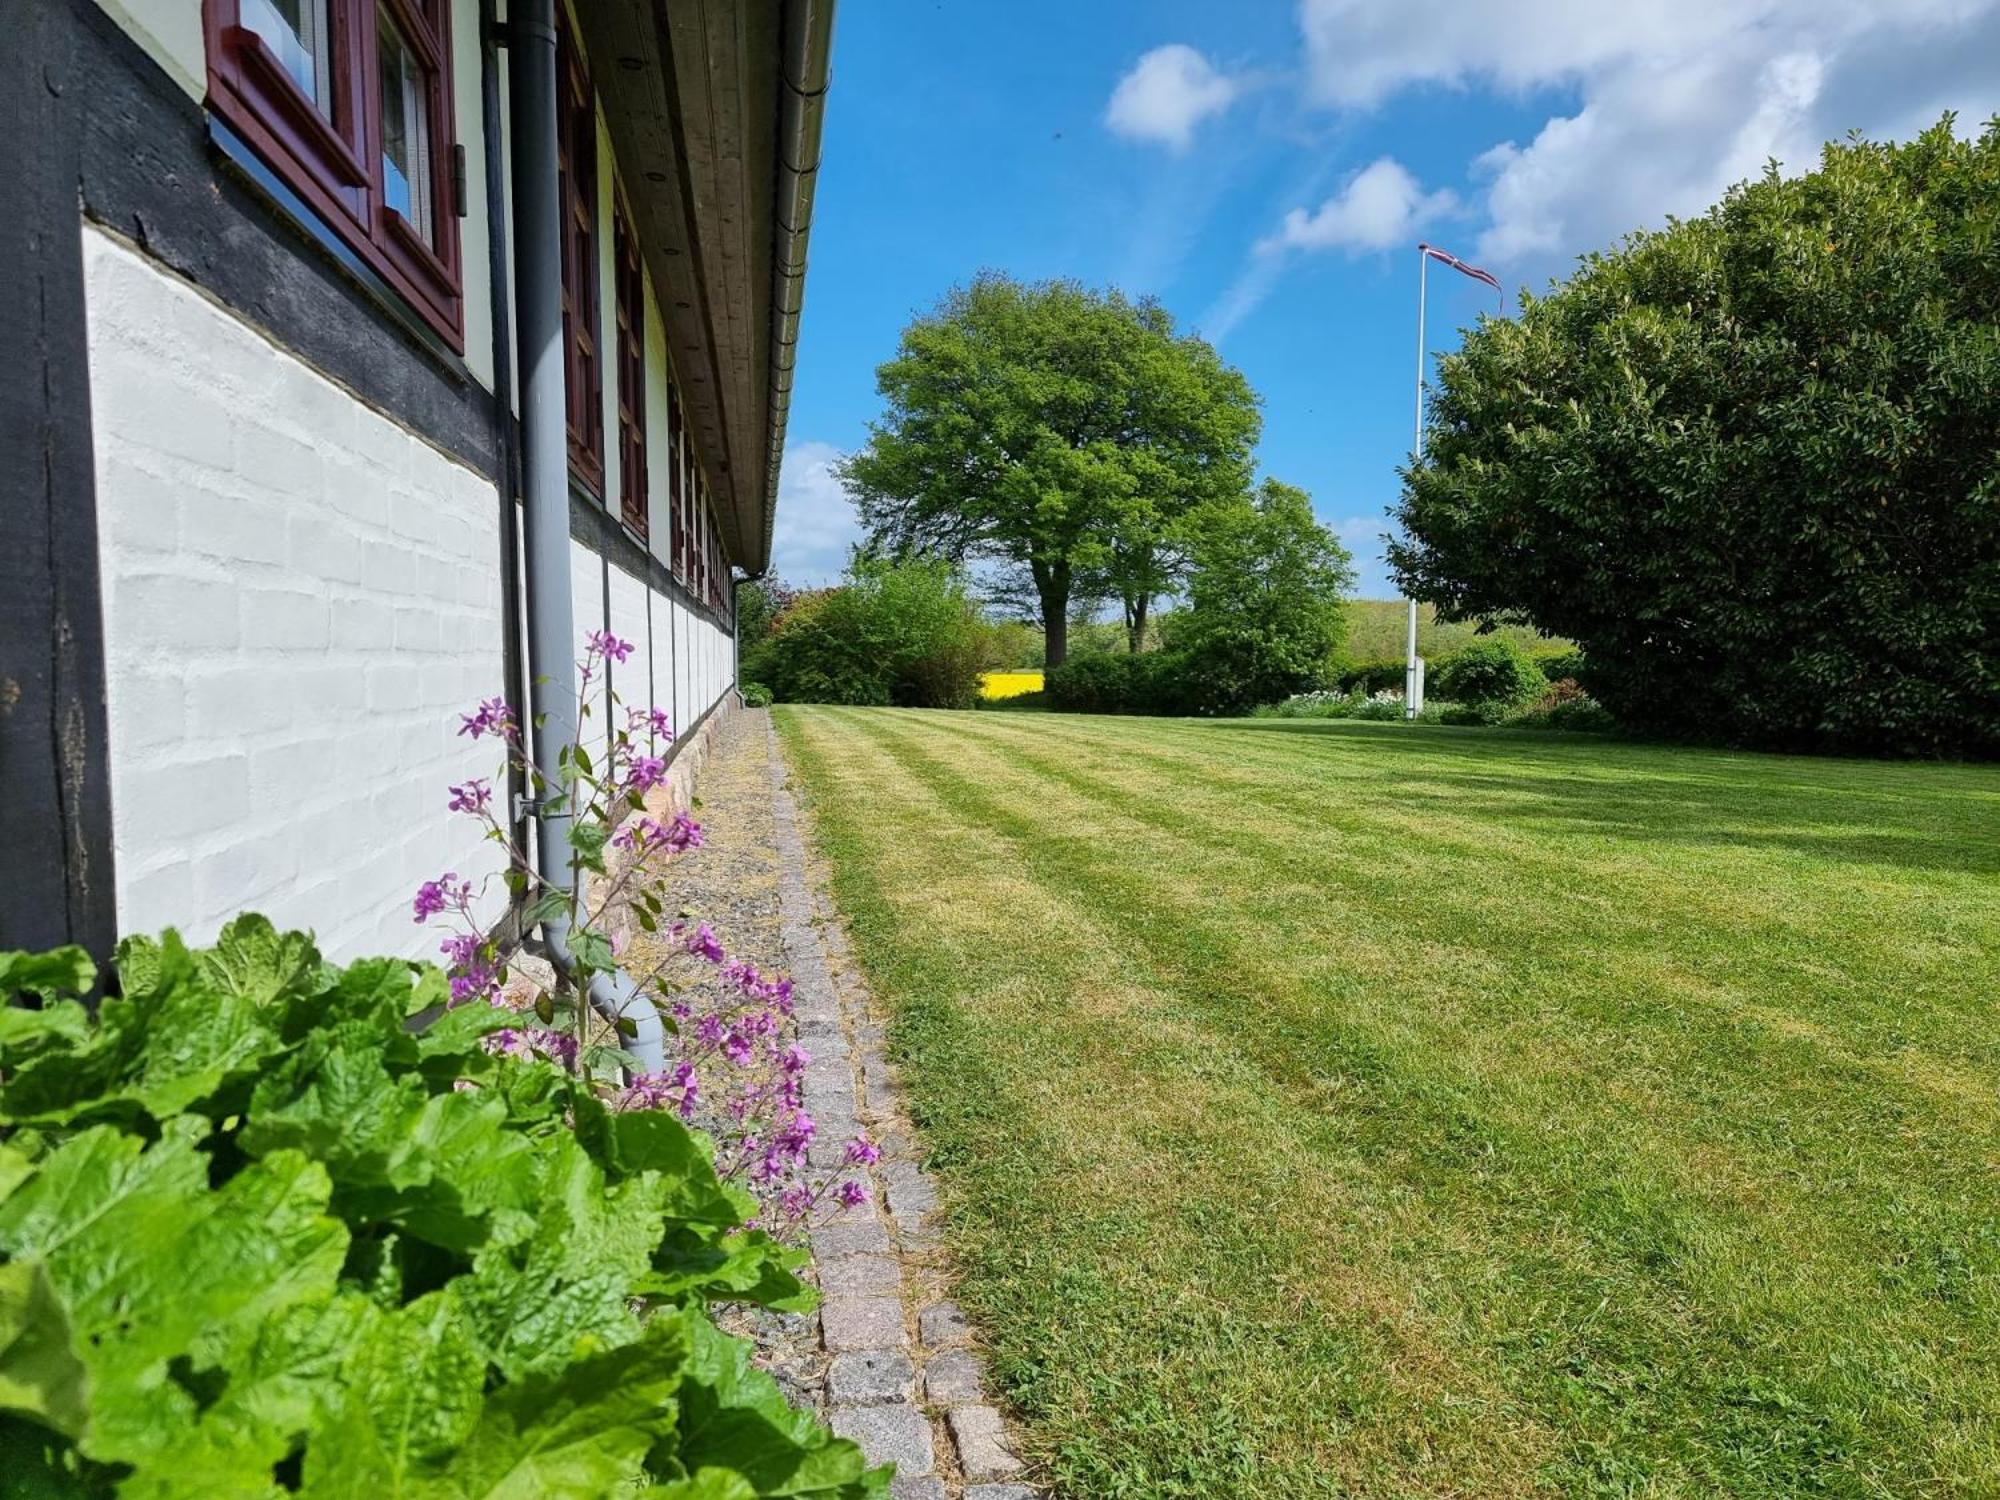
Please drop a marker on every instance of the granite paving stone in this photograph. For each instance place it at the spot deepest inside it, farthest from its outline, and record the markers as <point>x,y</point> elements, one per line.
<point>850,1322</point>
<point>899,1435</point>
<point>981,1439</point>
<point>869,1377</point>
<point>942,1326</point>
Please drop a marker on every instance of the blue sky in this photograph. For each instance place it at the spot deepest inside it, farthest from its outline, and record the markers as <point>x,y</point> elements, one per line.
<point>1265,169</point>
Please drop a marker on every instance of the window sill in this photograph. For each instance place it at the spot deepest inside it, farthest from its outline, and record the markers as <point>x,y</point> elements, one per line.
<point>240,156</point>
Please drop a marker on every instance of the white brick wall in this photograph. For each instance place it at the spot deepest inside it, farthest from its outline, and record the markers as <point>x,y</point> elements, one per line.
<point>299,598</point>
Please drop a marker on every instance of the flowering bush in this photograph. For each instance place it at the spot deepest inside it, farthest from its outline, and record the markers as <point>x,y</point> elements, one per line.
<point>729,1065</point>
<point>263,1232</point>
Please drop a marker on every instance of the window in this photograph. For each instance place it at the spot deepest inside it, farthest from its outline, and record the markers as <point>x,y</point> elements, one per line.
<point>631,299</point>
<point>349,102</point>
<point>576,163</point>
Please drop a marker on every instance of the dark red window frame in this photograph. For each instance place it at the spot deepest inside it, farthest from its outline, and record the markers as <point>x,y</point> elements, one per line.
<point>631,313</point>
<point>676,533</point>
<point>333,160</point>
<point>576,166</point>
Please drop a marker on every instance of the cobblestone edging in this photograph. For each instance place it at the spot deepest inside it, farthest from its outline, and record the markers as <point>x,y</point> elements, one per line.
<point>903,1378</point>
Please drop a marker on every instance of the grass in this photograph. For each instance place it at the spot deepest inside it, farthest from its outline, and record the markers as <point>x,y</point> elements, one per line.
<point>1351,1109</point>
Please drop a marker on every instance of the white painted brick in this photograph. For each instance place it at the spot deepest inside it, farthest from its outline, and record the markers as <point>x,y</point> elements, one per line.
<point>285,619</point>
<point>315,406</point>
<point>416,629</point>
<point>151,709</point>
<point>236,524</point>
<point>363,625</point>
<point>354,491</point>
<point>322,545</point>
<point>168,611</point>
<point>275,459</point>
<point>152,524</point>
<point>388,566</point>
<point>290,640</point>
<point>393,686</point>
<point>188,421</point>
<point>165,804</point>
<point>254,677</point>
<point>235,701</point>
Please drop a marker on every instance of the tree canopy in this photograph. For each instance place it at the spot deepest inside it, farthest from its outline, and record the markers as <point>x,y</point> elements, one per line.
<point>1059,433</point>
<point>1751,462</point>
<point>1264,616</point>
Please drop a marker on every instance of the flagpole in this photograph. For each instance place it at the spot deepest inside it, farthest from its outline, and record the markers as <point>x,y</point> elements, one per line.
<point>1412,682</point>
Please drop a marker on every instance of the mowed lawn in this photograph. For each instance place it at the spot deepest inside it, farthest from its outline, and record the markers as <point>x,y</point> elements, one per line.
<point>1350,1109</point>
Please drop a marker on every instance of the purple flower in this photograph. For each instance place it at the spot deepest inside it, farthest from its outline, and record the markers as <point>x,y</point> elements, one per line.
<point>861,1152</point>
<point>604,643</point>
<point>851,1194</point>
<point>471,796</point>
<point>795,1201</point>
<point>493,717</point>
<point>645,833</point>
<point>797,1134</point>
<point>653,719</point>
<point>703,943</point>
<point>795,1059</point>
<point>434,896</point>
<point>645,773</point>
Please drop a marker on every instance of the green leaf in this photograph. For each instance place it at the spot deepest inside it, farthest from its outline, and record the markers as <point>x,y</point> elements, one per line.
<point>40,1374</point>
<point>593,948</point>
<point>153,1266</point>
<point>50,975</point>
<point>25,1032</point>
<point>734,1417</point>
<point>443,1167</point>
<point>569,1282</point>
<point>176,1041</point>
<point>709,1484</point>
<point>251,958</point>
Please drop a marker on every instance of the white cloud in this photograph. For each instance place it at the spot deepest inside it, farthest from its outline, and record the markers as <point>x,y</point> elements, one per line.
<point>816,522</point>
<point>1169,91</point>
<point>1676,98</point>
<point>1380,207</point>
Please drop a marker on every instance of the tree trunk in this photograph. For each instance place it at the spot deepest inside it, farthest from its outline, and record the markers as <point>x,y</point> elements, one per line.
<point>1052,584</point>
<point>1136,611</point>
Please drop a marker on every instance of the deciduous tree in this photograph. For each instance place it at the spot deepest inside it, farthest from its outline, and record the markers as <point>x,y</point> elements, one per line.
<point>1056,432</point>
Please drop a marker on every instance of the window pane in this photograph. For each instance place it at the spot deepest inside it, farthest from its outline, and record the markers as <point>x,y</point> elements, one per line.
<point>406,130</point>
<point>296,33</point>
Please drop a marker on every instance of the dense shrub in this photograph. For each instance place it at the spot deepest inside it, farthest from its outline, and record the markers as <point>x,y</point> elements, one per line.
<point>1264,615</point>
<point>1116,683</point>
<point>1490,672</point>
<point>759,603</point>
<point>754,695</point>
<point>1379,676</point>
<point>1747,462</point>
<point>1563,705</point>
<point>271,1226</point>
<point>902,632</point>
<point>1570,664</point>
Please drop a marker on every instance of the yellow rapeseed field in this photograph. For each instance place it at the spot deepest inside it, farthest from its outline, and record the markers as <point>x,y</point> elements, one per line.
<point>1009,684</point>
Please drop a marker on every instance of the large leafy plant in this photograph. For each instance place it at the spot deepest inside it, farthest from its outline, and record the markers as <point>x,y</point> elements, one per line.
<point>273,1227</point>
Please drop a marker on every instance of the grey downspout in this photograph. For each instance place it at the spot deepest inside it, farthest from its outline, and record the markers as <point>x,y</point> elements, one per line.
<point>544,446</point>
<point>805,66</point>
